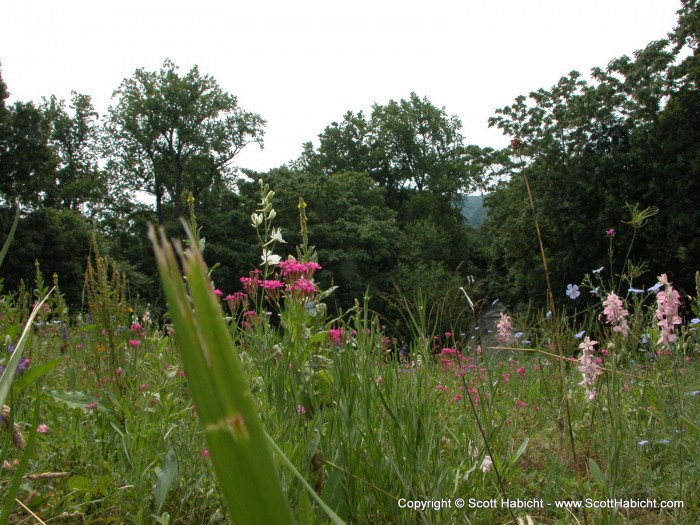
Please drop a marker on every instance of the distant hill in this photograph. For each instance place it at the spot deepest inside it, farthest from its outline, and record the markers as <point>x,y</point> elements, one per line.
<point>473,209</point>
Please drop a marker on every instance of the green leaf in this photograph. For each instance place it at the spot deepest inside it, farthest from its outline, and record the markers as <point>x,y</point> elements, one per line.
<point>166,477</point>
<point>10,236</point>
<point>33,373</point>
<point>74,399</point>
<point>596,474</point>
<point>241,456</point>
<point>9,372</point>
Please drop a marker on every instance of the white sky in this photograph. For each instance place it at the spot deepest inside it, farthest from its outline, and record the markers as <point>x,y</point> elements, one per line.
<point>301,64</point>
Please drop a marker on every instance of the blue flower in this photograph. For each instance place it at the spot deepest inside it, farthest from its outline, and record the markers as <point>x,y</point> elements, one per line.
<point>645,338</point>
<point>595,290</point>
<point>598,270</point>
<point>580,334</point>
<point>635,290</point>
<point>572,291</point>
<point>694,321</point>
<point>655,288</point>
<point>518,335</point>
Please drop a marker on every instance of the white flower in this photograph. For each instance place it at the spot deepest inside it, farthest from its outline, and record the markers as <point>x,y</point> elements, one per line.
<point>572,291</point>
<point>599,269</point>
<point>256,219</point>
<point>270,258</point>
<point>486,464</point>
<point>275,236</point>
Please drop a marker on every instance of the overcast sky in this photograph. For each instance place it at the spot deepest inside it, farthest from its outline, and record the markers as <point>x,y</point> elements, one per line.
<point>301,64</point>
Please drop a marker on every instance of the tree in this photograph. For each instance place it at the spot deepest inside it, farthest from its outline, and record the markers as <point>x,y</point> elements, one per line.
<point>77,178</point>
<point>168,134</point>
<point>26,159</point>
<point>405,146</point>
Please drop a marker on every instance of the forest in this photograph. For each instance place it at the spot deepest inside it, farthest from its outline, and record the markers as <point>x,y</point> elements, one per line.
<point>385,191</point>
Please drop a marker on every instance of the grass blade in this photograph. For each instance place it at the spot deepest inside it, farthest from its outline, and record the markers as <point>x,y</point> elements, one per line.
<point>239,451</point>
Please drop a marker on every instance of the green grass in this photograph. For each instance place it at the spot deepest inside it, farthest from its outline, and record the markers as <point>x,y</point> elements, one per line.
<point>143,425</point>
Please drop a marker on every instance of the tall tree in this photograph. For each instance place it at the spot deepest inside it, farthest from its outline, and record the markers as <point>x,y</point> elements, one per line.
<point>168,134</point>
<point>75,140</point>
<point>26,159</point>
<point>405,146</point>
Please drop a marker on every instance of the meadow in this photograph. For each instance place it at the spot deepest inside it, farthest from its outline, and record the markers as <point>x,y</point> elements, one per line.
<point>250,402</point>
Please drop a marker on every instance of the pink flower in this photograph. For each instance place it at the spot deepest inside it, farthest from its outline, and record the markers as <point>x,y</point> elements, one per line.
<point>302,287</point>
<point>616,315</point>
<point>611,232</point>
<point>668,301</point>
<point>205,452</point>
<point>42,429</point>
<point>218,292</point>
<point>300,409</point>
<point>505,329</point>
<point>119,371</point>
<point>588,367</point>
<point>134,343</point>
<point>336,336</point>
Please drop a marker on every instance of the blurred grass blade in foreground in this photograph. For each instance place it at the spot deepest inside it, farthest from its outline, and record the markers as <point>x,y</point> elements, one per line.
<point>239,451</point>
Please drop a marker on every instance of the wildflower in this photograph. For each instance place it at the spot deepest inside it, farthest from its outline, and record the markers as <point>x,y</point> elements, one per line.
<point>134,343</point>
<point>303,286</point>
<point>119,371</point>
<point>598,270</point>
<point>505,327</point>
<point>580,334</point>
<point>694,321</point>
<point>205,452</point>
<point>645,338</point>
<point>548,314</point>
<point>615,314</point>
<point>668,300</point>
<point>486,464</point>
<point>518,335</point>
<point>588,367</point>
<point>611,232</point>
<point>217,292</point>
<point>635,290</point>
<point>594,291</point>
<point>256,219</point>
<point>643,443</point>
<point>300,409</point>
<point>572,291</point>
<point>275,236</point>
<point>336,336</point>
<point>442,388</point>
<point>42,429</point>
<point>270,258</point>
<point>655,288</point>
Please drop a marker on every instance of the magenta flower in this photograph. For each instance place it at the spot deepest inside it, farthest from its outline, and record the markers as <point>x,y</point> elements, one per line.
<point>611,232</point>
<point>300,410</point>
<point>336,336</point>
<point>134,343</point>
<point>302,287</point>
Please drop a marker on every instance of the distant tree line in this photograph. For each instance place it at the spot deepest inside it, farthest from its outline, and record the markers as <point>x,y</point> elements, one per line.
<point>386,191</point>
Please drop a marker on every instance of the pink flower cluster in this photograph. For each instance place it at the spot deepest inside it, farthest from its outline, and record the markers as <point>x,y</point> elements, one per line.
<point>616,315</point>
<point>293,269</point>
<point>336,336</point>
<point>667,300</point>
<point>505,329</point>
<point>589,367</point>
